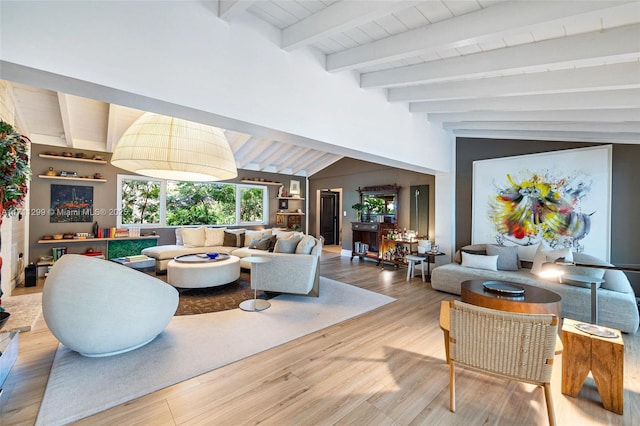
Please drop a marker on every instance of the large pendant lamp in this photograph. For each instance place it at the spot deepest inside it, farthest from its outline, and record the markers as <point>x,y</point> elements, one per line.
<point>171,148</point>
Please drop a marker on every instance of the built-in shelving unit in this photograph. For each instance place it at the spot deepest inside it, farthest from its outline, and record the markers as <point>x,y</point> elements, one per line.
<point>71,178</point>
<point>89,240</point>
<point>82,160</point>
<point>290,219</point>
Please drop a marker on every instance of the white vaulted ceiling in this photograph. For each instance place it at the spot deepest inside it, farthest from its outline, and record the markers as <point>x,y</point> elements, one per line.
<point>545,70</point>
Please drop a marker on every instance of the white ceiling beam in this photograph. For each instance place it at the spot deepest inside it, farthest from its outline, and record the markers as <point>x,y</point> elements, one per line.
<point>19,117</point>
<point>589,115</point>
<point>499,20</point>
<point>286,162</point>
<point>604,137</point>
<point>574,101</point>
<point>112,128</point>
<point>63,101</point>
<point>249,152</point>
<point>302,163</point>
<point>546,126</point>
<point>238,141</point>
<point>613,76</point>
<point>322,163</point>
<point>338,18</point>
<point>608,45</point>
<point>268,161</point>
<point>229,9</point>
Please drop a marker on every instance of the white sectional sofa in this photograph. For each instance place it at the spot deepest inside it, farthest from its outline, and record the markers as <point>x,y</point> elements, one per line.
<point>617,303</point>
<point>295,256</point>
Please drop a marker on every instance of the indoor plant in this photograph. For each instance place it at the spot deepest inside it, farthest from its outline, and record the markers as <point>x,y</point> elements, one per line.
<point>359,207</point>
<point>14,176</point>
<point>14,170</point>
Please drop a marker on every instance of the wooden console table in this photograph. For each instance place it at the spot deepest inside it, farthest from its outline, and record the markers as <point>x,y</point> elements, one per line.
<point>369,233</point>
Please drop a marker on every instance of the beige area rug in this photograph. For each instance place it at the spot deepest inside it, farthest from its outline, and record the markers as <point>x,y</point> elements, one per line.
<point>24,309</point>
<point>192,345</point>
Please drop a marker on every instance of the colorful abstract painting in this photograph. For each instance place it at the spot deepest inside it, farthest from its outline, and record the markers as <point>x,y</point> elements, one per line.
<point>71,203</point>
<point>560,198</point>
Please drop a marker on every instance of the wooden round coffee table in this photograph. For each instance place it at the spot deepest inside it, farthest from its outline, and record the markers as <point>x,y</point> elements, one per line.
<point>535,300</point>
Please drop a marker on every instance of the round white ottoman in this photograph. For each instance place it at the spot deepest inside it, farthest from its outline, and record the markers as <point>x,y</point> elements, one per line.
<point>203,274</point>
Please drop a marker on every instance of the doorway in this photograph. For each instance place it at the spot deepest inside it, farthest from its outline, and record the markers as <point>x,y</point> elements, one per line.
<point>329,204</point>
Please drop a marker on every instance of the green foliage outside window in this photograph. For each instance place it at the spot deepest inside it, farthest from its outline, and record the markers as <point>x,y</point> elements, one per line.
<point>251,206</point>
<point>145,201</point>
<point>197,203</point>
<point>140,202</point>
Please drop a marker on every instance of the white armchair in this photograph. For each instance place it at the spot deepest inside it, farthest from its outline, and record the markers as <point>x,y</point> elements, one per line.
<point>100,308</point>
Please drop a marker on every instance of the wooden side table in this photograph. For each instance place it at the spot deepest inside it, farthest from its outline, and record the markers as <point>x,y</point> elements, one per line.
<point>604,357</point>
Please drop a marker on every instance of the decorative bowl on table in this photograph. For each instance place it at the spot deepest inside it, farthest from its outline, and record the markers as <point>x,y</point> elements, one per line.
<point>213,255</point>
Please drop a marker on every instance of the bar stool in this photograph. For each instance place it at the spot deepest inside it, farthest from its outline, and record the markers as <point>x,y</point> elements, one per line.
<point>413,261</point>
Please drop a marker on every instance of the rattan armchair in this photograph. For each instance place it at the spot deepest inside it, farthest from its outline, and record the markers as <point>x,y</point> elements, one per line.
<point>515,346</point>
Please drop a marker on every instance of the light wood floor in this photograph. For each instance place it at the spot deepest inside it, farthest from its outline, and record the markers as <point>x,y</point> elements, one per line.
<point>383,368</point>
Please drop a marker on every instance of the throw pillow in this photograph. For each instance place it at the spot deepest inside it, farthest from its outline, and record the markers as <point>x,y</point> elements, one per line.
<point>214,237</point>
<point>260,244</point>
<point>543,256</point>
<point>480,261</point>
<point>179,240</point>
<point>282,234</point>
<point>193,237</point>
<point>230,239</point>
<point>507,256</point>
<point>250,235</point>
<point>306,244</point>
<point>287,245</point>
<point>471,248</point>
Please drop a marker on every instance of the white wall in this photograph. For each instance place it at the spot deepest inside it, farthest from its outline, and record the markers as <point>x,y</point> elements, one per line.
<point>178,58</point>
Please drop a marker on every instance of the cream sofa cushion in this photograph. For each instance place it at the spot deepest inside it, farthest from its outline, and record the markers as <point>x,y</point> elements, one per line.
<point>480,261</point>
<point>214,237</point>
<point>194,237</point>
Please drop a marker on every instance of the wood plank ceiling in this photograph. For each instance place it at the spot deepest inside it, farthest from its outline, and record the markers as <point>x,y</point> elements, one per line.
<point>546,70</point>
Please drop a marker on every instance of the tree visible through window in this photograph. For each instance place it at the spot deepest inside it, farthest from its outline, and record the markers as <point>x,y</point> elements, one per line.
<point>198,203</point>
<point>140,202</point>
<point>251,204</point>
<point>147,201</point>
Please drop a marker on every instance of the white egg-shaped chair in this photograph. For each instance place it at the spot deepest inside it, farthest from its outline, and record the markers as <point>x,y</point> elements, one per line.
<point>101,308</point>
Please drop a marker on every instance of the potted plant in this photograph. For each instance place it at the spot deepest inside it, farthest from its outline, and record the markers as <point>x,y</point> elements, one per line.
<point>14,176</point>
<point>14,170</point>
<point>359,208</point>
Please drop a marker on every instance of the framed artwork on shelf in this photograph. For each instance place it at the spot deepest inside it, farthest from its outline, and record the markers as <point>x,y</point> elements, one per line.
<point>281,220</point>
<point>283,204</point>
<point>294,188</point>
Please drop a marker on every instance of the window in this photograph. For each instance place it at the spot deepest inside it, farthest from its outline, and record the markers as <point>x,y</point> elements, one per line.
<point>139,201</point>
<point>201,203</point>
<point>155,202</point>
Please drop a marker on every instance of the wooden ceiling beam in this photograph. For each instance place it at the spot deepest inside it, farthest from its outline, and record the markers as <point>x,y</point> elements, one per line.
<point>498,21</point>
<point>583,115</point>
<point>618,76</point>
<point>338,18</point>
<point>628,98</point>
<point>609,45</point>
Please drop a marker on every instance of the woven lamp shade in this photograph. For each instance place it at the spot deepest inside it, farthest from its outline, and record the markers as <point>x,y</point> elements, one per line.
<point>171,148</point>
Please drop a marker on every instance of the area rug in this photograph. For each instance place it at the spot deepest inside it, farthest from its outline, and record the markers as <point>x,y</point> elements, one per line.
<point>24,309</point>
<point>192,345</point>
<point>197,301</point>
